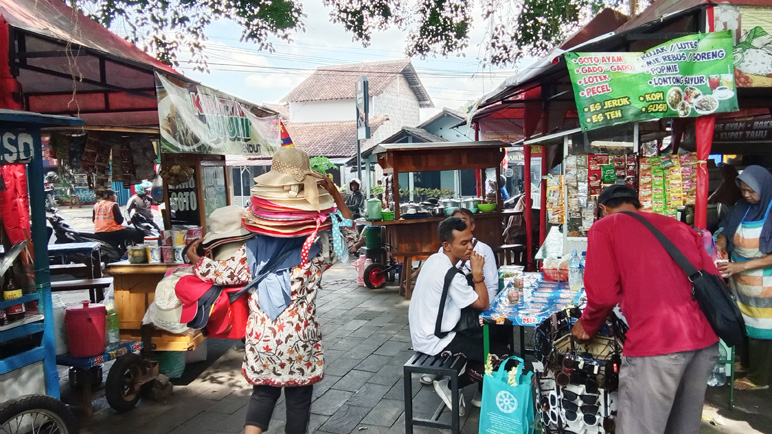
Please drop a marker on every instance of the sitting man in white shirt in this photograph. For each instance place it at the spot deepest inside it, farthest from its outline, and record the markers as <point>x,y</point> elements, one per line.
<point>456,238</point>
<point>490,273</point>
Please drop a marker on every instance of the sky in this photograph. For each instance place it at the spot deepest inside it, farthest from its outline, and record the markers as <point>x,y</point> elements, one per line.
<point>242,70</point>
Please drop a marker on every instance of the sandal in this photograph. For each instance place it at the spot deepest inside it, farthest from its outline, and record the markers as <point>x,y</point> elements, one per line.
<point>746,384</point>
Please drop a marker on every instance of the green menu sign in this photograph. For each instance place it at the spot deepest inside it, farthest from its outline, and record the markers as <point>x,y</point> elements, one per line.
<point>684,77</point>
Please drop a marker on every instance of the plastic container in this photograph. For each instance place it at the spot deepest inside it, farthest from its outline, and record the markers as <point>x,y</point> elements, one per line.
<point>178,237</point>
<point>167,254</point>
<point>154,255</point>
<point>373,237</point>
<point>152,241</point>
<point>178,250</point>
<point>388,215</point>
<point>60,331</point>
<point>86,329</point>
<point>374,210</point>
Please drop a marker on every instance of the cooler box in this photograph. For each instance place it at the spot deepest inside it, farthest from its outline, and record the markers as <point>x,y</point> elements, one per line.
<point>86,329</point>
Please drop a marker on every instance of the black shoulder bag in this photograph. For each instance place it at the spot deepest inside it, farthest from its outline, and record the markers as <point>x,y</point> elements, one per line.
<point>470,317</point>
<point>710,291</point>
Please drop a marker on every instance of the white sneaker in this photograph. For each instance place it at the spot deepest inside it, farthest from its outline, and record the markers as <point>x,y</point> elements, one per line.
<point>428,379</point>
<point>477,399</point>
<point>443,390</point>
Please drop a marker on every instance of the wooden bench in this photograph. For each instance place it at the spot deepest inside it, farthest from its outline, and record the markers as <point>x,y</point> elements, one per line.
<point>422,364</point>
<point>95,286</point>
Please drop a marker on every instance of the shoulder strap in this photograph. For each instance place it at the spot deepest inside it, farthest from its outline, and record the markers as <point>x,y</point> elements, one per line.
<point>445,287</point>
<point>691,272</point>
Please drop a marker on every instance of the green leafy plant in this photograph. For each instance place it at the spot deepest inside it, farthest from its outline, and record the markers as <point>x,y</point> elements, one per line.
<point>376,190</point>
<point>321,164</point>
<point>515,28</point>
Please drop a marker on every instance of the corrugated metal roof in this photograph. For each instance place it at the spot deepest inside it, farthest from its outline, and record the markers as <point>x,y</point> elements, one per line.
<point>337,82</point>
<point>53,18</point>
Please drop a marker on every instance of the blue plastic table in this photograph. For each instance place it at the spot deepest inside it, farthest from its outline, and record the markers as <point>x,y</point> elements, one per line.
<point>546,298</point>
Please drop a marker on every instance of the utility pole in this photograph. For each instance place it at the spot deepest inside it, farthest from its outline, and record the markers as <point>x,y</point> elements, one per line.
<point>363,127</point>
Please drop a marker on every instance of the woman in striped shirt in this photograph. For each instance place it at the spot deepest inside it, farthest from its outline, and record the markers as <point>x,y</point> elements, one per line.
<point>747,241</point>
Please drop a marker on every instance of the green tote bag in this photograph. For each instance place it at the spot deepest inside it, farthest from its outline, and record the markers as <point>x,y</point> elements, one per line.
<point>507,409</point>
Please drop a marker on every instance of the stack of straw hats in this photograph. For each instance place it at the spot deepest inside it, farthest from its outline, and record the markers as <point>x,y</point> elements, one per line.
<point>288,201</point>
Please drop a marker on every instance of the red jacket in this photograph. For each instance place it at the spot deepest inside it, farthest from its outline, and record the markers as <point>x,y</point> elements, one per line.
<point>626,265</point>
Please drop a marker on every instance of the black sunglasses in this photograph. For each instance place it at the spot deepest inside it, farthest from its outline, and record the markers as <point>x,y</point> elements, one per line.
<point>586,409</point>
<point>586,398</point>
<point>587,418</point>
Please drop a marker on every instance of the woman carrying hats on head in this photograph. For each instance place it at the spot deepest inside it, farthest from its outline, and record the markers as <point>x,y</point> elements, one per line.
<point>747,241</point>
<point>299,235</point>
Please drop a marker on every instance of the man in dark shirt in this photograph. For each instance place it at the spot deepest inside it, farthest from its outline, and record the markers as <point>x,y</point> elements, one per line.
<point>670,348</point>
<point>355,201</point>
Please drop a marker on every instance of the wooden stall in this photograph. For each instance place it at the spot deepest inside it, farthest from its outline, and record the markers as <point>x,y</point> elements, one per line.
<point>416,239</point>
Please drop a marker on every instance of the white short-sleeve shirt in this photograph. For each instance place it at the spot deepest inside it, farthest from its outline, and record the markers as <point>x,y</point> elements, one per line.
<point>425,304</point>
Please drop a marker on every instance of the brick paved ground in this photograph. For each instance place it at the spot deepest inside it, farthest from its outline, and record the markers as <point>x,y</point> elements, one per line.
<point>367,340</point>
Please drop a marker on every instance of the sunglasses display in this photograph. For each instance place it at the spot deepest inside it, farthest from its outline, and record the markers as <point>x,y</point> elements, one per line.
<point>577,383</point>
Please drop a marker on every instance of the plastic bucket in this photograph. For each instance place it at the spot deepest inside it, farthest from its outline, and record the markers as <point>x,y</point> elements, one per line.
<point>373,237</point>
<point>86,329</point>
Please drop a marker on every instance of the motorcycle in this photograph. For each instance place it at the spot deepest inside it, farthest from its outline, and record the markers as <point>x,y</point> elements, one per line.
<point>109,249</point>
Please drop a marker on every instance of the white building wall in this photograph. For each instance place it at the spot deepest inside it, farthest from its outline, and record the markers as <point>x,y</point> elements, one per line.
<point>444,127</point>
<point>400,104</point>
<point>323,111</point>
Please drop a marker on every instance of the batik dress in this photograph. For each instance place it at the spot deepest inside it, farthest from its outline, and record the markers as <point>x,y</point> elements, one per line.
<point>288,350</point>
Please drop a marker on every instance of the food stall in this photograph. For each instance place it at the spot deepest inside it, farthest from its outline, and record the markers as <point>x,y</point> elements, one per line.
<point>414,236</point>
<point>33,365</point>
<point>198,127</point>
<point>648,117</point>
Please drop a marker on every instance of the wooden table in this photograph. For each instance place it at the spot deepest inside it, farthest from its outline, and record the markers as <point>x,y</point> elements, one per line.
<point>416,239</point>
<point>134,291</point>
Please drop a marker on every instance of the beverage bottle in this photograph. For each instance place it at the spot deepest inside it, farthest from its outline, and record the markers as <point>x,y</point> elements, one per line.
<point>721,375</point>
<point>713,379</point>
<point>582,261</point>
<point>574,272</point>
<point>112,327</point>
<point>10,292</point>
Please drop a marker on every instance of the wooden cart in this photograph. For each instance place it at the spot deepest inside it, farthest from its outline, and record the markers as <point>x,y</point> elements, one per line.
<point>134,291</point>
<point>417,239</point>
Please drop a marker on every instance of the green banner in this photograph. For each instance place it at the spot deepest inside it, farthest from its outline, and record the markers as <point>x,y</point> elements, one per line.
<point>684,77</point>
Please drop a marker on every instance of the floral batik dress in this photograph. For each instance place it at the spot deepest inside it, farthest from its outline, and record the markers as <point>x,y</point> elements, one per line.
<point>288,350</point>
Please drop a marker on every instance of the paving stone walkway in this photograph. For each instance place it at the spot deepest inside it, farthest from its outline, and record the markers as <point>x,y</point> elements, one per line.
<point>367,340</point>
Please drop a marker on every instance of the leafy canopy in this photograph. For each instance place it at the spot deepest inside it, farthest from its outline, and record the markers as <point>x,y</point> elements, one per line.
<point>514,28</point>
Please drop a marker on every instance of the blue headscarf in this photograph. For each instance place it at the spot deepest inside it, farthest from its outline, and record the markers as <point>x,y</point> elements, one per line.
<point>760,181</point>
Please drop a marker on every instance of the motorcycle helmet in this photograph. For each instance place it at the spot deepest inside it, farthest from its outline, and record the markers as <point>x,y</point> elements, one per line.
<point>143,187</point>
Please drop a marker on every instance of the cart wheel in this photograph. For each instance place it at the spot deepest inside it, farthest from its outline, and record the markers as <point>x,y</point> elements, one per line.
<point>122,389</point>
<point>37,413</point>
<point>374,276</point>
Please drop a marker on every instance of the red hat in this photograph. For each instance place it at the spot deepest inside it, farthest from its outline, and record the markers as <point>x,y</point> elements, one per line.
<point>189,289</point>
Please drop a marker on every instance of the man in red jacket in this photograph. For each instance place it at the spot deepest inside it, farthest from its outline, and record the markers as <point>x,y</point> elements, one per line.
<point>670,348</point>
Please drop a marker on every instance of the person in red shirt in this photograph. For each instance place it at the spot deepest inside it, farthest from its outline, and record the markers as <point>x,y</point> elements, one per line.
<point>670,348</point>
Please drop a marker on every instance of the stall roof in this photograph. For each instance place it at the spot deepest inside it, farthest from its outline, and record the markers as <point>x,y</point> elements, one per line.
<point>433,146</point>
<point>556,138</point>
<point>69,64</point>
<point>18,116</point>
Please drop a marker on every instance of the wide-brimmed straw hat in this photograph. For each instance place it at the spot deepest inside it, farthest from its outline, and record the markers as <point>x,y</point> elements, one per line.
<point>291,168</point>
<point>225,223</point>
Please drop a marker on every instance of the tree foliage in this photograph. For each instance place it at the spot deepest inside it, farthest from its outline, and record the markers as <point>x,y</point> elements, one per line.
<point>514,28</point>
